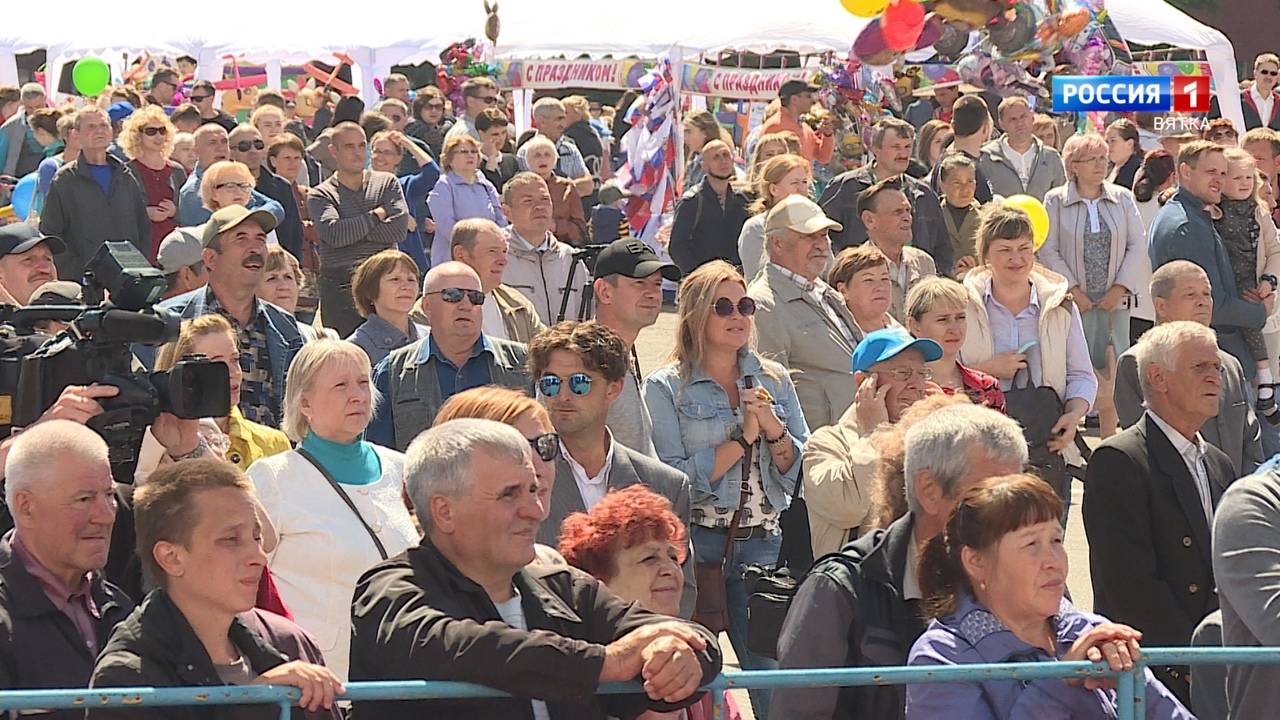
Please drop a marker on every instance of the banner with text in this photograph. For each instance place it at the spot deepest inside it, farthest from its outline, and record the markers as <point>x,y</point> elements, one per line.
<point>734,82</point>
<point>555,74</point>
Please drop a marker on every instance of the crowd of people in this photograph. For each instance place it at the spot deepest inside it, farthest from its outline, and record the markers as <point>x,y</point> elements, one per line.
<point>455,467</point>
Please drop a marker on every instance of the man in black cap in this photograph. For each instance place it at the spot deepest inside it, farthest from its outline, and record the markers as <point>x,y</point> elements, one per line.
<point>795,98</point>
<point>26,259</point>
<point>628,290</point>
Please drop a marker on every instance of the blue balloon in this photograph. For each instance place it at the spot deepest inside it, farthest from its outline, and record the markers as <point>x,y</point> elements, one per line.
<point>23,193</point>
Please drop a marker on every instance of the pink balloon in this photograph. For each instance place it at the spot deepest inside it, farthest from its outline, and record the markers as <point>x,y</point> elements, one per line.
<point>902,23</point>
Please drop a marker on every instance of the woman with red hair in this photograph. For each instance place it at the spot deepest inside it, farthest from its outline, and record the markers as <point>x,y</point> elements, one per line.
<point>632,542</point>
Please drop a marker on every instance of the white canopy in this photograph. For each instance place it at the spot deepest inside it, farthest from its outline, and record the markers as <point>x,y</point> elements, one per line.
<point>406,31</point>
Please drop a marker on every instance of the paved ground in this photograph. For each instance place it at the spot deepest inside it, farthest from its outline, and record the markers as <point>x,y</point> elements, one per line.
<point>653,347</point>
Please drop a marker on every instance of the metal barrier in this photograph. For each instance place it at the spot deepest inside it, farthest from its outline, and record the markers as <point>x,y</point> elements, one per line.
<point>1130,686</point>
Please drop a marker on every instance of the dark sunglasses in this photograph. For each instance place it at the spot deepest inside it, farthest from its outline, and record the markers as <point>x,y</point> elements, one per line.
<point>1269,72</point>
<point>546,446</point>
<point>155,130</point>
<point>246,145</point>
<point>486,99</point>
<point>724,307</point>
<point>455,295</point>
<point>200,98</point>
<point>579,384</point>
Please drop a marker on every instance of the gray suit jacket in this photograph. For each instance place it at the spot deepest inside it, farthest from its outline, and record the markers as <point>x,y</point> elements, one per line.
<point>629,468</point>
<point>1235,431</point>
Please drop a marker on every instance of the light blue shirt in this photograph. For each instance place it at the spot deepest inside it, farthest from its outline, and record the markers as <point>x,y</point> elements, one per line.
<point>191,209</point>
<point>1010,332</point>
<point>691,418</point>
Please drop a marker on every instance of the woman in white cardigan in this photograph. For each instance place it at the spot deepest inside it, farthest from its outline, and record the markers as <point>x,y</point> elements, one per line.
<point>1097,242</point>
<point>335,501</point>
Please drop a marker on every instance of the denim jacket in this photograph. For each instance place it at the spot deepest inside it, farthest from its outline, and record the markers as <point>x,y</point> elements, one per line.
<point>690,419</point>
<point>974,635</point>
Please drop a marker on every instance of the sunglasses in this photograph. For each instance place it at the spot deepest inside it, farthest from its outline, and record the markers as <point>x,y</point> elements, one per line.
<point>200,98</point>
<point>155,130</point>
<point>724,307</point>
<point>247,145</point>
<point>486,99</point>
<point>237,185</point>
<point>579,384</point>
<point>454,296</point>
<point>1269,72</point>
<point>546,446</point>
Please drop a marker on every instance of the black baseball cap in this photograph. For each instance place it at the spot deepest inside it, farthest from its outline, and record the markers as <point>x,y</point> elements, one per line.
<point>18,238</point>
<point>795,87</point>
<point>634,259</point>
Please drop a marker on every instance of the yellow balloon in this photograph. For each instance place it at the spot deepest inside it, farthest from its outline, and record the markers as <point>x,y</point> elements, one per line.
<point>865,8</point>
<point>1034,210</point>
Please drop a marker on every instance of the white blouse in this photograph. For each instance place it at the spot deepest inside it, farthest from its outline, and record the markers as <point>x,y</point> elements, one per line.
<point>323,549</point>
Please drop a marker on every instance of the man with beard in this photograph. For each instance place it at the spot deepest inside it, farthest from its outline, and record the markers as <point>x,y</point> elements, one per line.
<point>235,251</point>
<point>710,216</point>
<point>892,141</point>
<point>801,322</point>
<point>579,369</point>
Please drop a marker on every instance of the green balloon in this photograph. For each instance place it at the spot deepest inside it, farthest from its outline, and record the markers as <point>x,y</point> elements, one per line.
<point>91,76</point>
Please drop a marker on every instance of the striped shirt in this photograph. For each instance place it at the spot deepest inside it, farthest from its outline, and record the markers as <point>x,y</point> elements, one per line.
<point>348,231</point>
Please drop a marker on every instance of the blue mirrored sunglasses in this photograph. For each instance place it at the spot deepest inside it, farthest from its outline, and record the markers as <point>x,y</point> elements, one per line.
<point>579,384</point>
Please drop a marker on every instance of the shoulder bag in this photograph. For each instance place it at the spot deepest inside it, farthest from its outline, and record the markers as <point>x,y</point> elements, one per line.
<point>346,499</point>
<point>712,608</point>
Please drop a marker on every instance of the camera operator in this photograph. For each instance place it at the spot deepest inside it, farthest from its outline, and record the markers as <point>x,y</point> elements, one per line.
<point>26,259</point>
<point>235,252</point>
<point>537,264</point>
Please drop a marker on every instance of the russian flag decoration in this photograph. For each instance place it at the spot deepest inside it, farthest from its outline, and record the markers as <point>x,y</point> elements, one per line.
<point>649,173</point>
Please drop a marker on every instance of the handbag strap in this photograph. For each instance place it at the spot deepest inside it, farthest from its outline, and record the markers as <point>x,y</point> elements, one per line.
<point>345,498</point>
<point>742,501</point>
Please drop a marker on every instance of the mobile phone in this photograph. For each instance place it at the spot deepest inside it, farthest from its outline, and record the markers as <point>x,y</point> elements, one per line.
<point>1028,345</point>
<point>748,381</point>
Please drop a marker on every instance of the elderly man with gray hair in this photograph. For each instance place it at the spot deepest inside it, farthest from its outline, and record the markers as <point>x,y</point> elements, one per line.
<point>860,606</point>
<point>467,605</point>
<point>1150,493</point>
<point>550,120</point>
<point>56,610</point>
<point>1180,290</point>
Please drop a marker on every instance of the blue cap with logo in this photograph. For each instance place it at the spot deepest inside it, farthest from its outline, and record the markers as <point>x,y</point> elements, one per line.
<point>886,344</point>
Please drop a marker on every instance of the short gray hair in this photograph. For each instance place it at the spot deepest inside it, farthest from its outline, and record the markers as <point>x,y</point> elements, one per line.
<point>438,461</point>
<point>313,356</point>
<point>940,443</point>
<point>546,105</point>
<point>31,91</point>
<point>1166,277</point>
<point>1161,344</point>
<point>28,461</point>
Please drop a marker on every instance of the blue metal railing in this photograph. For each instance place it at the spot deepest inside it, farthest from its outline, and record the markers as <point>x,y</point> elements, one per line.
<point>1130,686</point>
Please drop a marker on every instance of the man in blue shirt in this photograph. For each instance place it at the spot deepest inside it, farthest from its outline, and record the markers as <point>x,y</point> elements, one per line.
<point>213,146</point>
<point>417,379</point>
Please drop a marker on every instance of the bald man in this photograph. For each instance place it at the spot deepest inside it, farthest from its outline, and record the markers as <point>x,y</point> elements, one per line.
<point>455,356</point>
<point>710,216</point>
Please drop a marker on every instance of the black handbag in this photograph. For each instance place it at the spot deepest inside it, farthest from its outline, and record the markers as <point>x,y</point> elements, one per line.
<point>1037,409</point>
<point>770,590</point>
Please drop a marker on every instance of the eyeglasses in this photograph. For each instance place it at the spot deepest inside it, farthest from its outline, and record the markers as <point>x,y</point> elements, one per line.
<point>155,130</point>
<point>435,106</point>
<point>237,185</point>
<point>453,296</point>
<point>546,446</point>
<point>724,307</point>
<point>486,99</point>
<point>246,145</point>
<point>579,384</point>
<point>465,151</point>
<point>200,98</point>
<point>1099,160</point>
<point>904,374</point>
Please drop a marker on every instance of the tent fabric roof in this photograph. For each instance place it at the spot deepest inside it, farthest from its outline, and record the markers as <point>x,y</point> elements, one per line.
<point>530,28</point>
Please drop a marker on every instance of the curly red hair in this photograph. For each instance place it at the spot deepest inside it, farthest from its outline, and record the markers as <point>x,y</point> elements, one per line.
<point>623,519</point>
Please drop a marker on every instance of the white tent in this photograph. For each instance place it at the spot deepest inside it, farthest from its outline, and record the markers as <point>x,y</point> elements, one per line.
<point>405,31</point>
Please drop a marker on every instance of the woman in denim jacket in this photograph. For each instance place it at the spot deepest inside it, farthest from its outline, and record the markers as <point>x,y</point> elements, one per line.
<point>716,399</point>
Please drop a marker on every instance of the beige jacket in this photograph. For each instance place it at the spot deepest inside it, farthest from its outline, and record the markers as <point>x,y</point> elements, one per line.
<point>1269,261</point>
<point>916,265</point>
<point>1055,324</point>
<point>839,468</point>
<point>1063,249</point>
<point>795,332</point>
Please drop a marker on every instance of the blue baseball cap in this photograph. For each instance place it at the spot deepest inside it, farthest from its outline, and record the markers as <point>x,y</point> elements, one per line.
<point>885,344</point>
<point>119,111</point>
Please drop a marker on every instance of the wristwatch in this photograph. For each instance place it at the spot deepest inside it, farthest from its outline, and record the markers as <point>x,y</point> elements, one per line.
<point>735,434</point>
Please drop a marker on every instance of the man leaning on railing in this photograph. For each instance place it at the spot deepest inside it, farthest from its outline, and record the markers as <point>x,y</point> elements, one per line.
<point>467,605</point>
